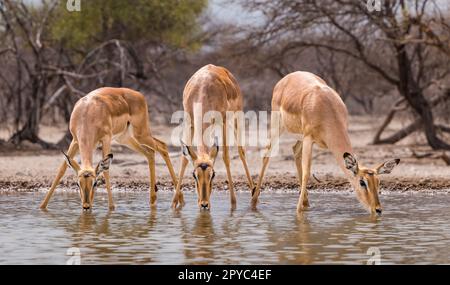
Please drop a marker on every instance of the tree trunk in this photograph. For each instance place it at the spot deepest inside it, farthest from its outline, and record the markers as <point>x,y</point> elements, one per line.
<point>414,126</point>
<point>30,130</point>
<point>65,141</point>
<point>414,96</point>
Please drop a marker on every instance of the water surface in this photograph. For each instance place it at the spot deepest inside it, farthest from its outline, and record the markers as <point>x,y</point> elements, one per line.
<point>414,228</point>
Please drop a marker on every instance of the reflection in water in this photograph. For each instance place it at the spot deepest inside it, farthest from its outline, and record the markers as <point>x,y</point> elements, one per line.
<point>199,240</point>
<point>334,230</point>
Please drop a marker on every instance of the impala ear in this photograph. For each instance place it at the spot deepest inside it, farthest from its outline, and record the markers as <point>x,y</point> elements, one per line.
<point>351,163</point>
<point>214,149</point>
<point>71,163</point>
<point>103,165</point>
<point>188,152</point>
<point>387,167</point>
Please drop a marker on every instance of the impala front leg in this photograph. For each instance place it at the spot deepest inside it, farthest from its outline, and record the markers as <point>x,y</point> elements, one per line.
<point>241,151</point>
<point>73,149</point>
<point>303,202</point>
<point>151,166</point>
<point>226,160</point>
<point>178,198</point>
<point>106,148</point>
<point>275,133</point>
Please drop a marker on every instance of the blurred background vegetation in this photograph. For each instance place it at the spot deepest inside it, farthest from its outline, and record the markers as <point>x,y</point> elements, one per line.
<point>389,64</point>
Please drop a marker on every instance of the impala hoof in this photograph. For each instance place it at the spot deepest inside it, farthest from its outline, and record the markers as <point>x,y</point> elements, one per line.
<point>153,200</point>
<point>178,202</point>
<point>233,203</point>
<point>253,190</point>
<point>302,206</point>
<point>254,203</point>
<point>174,204</point>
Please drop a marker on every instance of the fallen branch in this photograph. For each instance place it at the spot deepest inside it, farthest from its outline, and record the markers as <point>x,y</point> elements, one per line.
<point>59,71</point>
<point>414,126</point>
<point>6,50</point>
<point>317,179</point>
<point>397,107</point>
<point>443,128</point>
<point>432,155</point>
<point>446,158</point>
<point>401,134</point>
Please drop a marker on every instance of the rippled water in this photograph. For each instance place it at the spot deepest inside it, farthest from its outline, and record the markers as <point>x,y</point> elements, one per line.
<point>414,228</point>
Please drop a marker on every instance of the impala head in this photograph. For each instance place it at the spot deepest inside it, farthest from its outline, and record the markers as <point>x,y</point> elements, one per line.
<point>203,172</point>
<point>366,181</point>
<point>87,178</point>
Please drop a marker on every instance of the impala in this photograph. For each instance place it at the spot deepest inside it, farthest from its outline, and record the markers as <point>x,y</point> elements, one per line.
<point>309,107</point>
<point>103,115</point>
<point>213,88</point>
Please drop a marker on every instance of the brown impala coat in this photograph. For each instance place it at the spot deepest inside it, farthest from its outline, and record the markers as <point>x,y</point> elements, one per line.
<point>103,115</point>
<point>213,88</point>
<point>308,106</point>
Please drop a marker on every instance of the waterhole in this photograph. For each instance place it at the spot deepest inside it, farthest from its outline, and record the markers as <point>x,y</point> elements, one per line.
<point>414,228</point>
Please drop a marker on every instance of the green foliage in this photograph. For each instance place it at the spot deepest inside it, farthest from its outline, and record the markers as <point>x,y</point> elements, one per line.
<point>172,22</point>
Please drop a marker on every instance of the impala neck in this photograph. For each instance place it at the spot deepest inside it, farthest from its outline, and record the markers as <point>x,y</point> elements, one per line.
<point>87,148</point>
<point>199,111</point>
<point>202,149</point>
<point>340,144</point>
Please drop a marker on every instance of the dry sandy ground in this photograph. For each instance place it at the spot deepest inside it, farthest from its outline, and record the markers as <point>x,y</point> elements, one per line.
<point>32,169</point>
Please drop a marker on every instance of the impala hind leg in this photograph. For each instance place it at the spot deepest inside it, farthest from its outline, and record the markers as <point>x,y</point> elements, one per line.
<point>151,166</point>
<point>178,198</point>
<point>265,163</point>
<point>297,150</point>
<point>73,149</point>
<point>241,151</point>
<point>149,152</point>
<point>226,160</point>
<point>153,144</point>
<point>133,144</point>
<point>106,149</point>
<point>303,202</point>
<point>141,133</point>
<point>163,151</point>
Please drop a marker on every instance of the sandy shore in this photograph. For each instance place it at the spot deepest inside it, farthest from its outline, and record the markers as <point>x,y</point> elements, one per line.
<point>31,169</point>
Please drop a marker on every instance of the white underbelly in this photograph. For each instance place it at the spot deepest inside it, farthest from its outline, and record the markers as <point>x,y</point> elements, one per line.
<point>122,135</point>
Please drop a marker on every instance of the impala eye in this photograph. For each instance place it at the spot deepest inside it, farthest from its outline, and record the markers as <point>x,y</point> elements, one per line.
<point>195,176</point>
<point>362,183</point>
<point>213,175</point>
<point>94,185</point>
